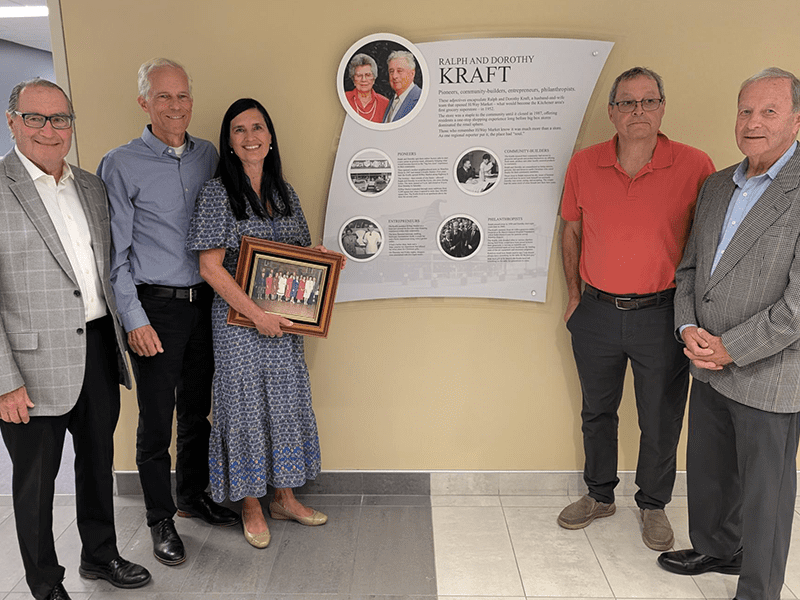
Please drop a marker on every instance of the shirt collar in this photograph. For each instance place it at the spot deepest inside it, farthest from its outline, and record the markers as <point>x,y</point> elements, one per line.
<point>402,97</point>
<point>662,155</point>
<point>36,173</point>
<point>740,174</point>
<point>159,147</point>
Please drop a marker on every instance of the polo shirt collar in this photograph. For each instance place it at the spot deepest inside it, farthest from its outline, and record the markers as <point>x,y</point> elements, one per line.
<point>159,147</point>
<point>662,155</point>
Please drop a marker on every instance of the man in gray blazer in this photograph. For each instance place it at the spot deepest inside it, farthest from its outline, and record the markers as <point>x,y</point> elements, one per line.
<point>61,359</point>
<point>737,308</point>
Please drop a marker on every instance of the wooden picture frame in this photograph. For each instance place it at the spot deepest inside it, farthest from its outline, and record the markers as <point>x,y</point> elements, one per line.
<point>307,292</point>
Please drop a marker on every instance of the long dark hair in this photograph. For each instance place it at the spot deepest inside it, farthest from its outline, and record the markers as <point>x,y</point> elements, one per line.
<point>274,192</point>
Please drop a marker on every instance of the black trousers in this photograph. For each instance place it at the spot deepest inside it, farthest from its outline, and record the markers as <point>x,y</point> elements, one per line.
<point>604,339</point>
<point>35,450</point>
<point>177,381</point>
<point>742,480</point>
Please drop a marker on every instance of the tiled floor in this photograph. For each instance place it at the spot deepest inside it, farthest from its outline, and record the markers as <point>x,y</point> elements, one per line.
<point>453,547</point>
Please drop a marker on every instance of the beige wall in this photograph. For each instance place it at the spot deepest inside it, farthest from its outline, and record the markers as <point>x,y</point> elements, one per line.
<point>423,383</point>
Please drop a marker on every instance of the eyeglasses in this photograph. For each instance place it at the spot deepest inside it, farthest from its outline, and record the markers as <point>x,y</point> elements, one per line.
<point>37,121</point>
<point>363,76</point>
<point>626,106</point>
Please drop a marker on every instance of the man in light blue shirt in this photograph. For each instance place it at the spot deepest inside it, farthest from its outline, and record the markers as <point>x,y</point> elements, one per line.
<point>738,309</point>
<point>164,304</point>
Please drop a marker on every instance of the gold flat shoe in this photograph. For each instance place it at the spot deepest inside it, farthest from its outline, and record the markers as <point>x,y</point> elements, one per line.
<point>279,513</point>
<point>257,540</point>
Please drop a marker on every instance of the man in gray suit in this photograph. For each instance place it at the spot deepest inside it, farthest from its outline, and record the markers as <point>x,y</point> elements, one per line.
<point>737,308</point>
<point>60,341</point>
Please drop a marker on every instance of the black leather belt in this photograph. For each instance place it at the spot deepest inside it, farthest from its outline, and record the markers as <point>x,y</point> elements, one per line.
<point>99,322</point>
<point>634,301</point>
<point>192,293</point>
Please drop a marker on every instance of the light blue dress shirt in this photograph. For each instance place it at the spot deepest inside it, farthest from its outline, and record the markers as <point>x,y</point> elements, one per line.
<point>744,197</point>
<point>746,194</point>
<point>152,193</point>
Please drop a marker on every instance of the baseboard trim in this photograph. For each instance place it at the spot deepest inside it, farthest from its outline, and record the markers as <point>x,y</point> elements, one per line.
<point>440,483</point>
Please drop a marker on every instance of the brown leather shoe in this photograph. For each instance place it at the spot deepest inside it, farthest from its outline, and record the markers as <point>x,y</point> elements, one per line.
<point>579,514</point>
<point>656,530</point>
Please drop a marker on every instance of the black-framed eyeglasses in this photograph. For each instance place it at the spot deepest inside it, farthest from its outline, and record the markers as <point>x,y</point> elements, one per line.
<point>37,121</point>
<point>626,106</point>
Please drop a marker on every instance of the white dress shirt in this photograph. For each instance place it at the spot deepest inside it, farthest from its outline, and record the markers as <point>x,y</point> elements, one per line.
<point>64,207</point>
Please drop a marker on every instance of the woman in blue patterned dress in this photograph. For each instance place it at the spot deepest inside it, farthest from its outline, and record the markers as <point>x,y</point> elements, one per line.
<point>264,430</point>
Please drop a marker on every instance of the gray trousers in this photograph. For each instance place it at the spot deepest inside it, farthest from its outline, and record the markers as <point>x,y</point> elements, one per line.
<point>742,481</point>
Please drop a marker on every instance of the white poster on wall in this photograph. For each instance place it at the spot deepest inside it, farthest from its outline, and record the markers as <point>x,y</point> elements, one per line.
<point>451,162</point>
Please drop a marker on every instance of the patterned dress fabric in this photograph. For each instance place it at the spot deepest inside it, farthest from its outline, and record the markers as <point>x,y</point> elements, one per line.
<point>264,430</point>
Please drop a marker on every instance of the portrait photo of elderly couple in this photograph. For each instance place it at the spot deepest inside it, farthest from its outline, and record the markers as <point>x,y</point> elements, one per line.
<point>382,83</point>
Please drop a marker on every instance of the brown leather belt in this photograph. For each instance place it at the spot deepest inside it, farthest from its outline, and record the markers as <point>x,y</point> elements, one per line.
<point>634,301</point>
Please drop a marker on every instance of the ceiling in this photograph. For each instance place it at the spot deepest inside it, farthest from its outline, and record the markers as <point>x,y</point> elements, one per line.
<point>27,31</point>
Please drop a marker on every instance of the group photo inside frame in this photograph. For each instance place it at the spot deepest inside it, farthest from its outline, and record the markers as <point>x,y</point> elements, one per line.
<point>290,281</point>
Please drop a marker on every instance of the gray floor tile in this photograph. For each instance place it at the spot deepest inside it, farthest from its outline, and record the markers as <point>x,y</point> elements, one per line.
<point>474,554</point>
<point>396,500</point>
<point>227,564</point>
<point>395,552</point>
<point>128,520</point>
<point>403,597</point>
<point>334,483</point>
<point>11,571</point>
<point>396,483</point>
<point>68,546</point>
<point>318,500</point>
<point>317,560</point>
<point>63,519</point>
<point>142,594</point>
<point>27,596</point>
<point>552,560</point>
<point>305,596</point>
<point>629,566</point>
<point>139,549</point>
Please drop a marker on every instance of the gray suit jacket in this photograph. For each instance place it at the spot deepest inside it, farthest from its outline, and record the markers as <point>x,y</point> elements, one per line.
<point>42,318</point>
<point>753,298</point>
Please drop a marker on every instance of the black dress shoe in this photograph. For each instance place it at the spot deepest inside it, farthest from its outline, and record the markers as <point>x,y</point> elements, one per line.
<point>58,593</point>
<point>212,513</point>
<point>119,572</point>
<point>167,544</point>
<point>689,562</point>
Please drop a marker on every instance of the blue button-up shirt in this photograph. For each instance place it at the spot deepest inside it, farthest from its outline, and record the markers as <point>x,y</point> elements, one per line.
<point>746,194</point>
<point>152,193</point>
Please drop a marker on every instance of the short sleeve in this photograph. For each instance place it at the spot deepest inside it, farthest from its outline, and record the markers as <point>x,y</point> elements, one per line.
<point>569,200</point>
<point>213,224</point>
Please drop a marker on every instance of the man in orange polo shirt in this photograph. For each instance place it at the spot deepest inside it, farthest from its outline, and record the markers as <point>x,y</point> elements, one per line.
<point>628,205</point>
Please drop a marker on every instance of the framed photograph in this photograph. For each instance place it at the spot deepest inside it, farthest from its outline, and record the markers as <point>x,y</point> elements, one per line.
<point>291,281</point>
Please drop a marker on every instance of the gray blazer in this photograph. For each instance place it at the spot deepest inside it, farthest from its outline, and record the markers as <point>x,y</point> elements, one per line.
<point>42,319</point>
<point>753,298</point>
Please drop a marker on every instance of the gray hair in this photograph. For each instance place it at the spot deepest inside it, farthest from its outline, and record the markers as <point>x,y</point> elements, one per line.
<point>359,60</point>
<point>412,62</point>
<point>13,100</point>
<point>153,64</point>
<point>776,73</point>
<point>633,74</point>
